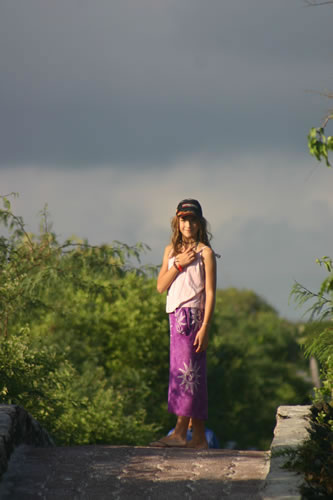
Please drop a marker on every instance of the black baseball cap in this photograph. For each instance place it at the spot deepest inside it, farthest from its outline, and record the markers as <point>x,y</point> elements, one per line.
<point>189,206</point>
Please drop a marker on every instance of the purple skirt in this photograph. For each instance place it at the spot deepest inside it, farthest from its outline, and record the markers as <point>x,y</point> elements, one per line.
<point>187,379</point>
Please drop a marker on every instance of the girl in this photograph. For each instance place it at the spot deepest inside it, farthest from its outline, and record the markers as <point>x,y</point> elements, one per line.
<point>188,273</point>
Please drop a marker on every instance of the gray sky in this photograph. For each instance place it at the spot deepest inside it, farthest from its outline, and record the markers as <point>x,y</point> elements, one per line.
<point>113,111</point>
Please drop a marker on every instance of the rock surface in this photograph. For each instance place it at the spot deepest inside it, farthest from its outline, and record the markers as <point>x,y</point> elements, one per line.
<point>123,472</point>
<point>16,427</point>
<point>290,431</point>
<point>128,473</point>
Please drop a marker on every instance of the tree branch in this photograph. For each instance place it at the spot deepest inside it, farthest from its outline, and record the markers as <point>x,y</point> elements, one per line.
<point>327,119</point>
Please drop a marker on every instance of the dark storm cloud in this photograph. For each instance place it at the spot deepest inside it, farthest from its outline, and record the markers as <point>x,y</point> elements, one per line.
<point>139,82</point>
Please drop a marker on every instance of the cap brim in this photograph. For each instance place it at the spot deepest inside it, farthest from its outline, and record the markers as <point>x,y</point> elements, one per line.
<point>188,212</point>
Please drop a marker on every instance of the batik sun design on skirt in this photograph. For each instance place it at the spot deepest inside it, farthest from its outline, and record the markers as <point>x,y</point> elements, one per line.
<point>187,378</point>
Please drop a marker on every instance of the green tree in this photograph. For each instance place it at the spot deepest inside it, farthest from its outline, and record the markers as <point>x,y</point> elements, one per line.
<point>56,345</point>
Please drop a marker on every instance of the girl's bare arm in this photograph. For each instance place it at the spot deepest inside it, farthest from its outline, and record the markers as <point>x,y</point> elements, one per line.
<point>167,276</point>
<point>210,284</point>
<point>201,339</point>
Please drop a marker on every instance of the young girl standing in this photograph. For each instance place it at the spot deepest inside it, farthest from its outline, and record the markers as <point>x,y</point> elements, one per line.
<point>188,273</point>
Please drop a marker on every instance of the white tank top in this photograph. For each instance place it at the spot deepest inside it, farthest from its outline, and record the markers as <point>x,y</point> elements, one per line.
<point>188,288</point>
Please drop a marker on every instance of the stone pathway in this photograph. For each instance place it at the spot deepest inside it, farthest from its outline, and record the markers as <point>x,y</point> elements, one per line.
<point>123,472</point>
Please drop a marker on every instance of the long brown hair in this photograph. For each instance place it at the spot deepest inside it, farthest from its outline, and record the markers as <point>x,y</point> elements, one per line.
<point>203,236</point>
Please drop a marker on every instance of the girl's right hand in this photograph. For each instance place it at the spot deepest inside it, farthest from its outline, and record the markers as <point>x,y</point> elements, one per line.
<point>185,258</point>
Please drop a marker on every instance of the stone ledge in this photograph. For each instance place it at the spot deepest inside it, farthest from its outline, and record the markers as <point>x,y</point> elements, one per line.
<point>17,426</point>
<point>290,431</point>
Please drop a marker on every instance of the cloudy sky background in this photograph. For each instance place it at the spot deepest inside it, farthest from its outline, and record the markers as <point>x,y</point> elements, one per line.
<point>114,110</point>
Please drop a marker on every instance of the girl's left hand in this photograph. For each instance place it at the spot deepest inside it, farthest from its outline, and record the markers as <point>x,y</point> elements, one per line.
<point>201,340</point>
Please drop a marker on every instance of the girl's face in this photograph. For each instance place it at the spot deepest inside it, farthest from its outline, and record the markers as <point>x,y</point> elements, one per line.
<point>189,227</point>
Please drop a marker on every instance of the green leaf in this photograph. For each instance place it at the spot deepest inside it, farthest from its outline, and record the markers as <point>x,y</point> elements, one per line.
<point>6,203</point>
<point>329,141</point>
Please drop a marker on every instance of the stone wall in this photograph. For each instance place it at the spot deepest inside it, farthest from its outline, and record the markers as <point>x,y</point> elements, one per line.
<point>17,427</point>
<point>290,431</point>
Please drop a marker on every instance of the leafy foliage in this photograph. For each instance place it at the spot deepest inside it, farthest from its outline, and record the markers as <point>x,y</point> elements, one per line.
<point>314,457</point>
<point>54,298</point>
<point>321,304</point>
<point>319,145</point>
<point>77,409</point>
<point>319,343</point>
